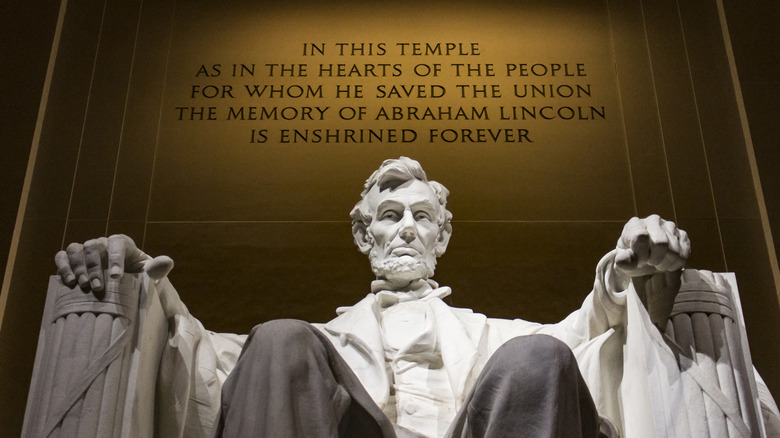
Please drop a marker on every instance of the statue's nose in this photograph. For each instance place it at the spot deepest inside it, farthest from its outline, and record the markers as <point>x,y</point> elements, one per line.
<point>408,231</point>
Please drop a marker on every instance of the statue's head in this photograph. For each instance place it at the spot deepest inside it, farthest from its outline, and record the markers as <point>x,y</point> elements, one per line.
<point>402,222</point>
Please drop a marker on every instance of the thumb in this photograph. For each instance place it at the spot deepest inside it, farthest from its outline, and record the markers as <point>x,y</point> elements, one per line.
<point>625,259</point>
<point>158,267</point>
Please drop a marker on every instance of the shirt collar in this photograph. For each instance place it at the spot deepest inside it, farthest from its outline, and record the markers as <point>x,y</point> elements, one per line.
<point>422,290</point>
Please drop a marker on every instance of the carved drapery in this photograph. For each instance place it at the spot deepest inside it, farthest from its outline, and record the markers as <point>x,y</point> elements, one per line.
<point>98,358</point>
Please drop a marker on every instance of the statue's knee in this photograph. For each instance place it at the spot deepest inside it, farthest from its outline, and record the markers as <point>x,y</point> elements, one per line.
<point>537,346</point>
<point>282,337</point>
<point>284,328</point>
<point>530,357</point>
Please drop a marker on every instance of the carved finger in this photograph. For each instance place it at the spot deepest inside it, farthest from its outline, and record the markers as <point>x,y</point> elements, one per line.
<point>672,262</point>
<point>671,230</point>
<point>63,268</point>
<point>124,256</point>
<point>636,239</point>
<point>659,240</point>
<point>633,227</point>
<point>116,256</point>
<point>678,264</point>
<point>674,241</point>
<point>640,245</point>
<point>76,259</point>
<point>159,267</point>
<point>676,260</point>
<point>135,259</point>
<point>625,259</point>
<point>94,258</point>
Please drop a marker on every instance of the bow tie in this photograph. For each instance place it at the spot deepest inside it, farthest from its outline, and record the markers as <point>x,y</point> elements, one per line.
<point>422,290</point>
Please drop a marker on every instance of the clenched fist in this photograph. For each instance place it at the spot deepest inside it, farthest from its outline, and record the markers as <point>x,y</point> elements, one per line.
<point>651,253</point>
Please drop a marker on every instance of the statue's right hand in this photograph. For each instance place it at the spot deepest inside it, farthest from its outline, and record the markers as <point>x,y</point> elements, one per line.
<point>83,264</point>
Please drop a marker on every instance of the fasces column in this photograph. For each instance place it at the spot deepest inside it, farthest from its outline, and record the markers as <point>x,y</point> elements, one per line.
<point>717,377</point>
<point>83,361</point>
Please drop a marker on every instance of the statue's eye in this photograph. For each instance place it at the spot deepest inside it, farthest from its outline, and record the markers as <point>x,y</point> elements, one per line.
<point>390,215</point>
<point>422,215</point>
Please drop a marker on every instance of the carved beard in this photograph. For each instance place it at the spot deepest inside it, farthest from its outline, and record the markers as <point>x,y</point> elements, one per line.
<point>402,268</point>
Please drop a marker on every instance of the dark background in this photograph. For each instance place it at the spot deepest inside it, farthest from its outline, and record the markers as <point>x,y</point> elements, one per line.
<point>27,30</point>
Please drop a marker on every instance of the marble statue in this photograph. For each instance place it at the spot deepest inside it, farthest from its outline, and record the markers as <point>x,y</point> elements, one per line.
<point>401,362</point>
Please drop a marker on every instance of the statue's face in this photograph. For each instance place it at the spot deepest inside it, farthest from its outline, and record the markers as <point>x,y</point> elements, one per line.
<point>404,231</point>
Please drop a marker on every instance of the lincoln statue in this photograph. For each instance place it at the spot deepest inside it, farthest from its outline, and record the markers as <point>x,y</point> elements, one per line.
<point>401,362</point>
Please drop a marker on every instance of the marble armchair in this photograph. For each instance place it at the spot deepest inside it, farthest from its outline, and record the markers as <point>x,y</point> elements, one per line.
<point>97,365</point>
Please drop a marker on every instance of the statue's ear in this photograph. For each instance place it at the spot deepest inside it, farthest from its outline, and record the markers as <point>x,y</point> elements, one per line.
<point>361,236</point>
<point>444,239</point>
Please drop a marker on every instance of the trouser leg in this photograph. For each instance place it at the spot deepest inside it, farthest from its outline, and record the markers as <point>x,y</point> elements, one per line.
<point>531,387</point>
<point>291,382</point>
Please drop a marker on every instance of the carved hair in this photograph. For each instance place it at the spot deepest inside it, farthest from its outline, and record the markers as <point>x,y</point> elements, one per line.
<point>391,174</point>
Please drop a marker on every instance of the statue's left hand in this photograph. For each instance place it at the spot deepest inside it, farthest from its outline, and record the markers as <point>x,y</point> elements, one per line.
<point>651,246</point>
<point>651,252</point>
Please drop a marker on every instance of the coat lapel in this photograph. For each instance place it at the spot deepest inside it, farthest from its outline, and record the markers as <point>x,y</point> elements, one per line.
<point>357,337</point>
<point>459,332</point>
